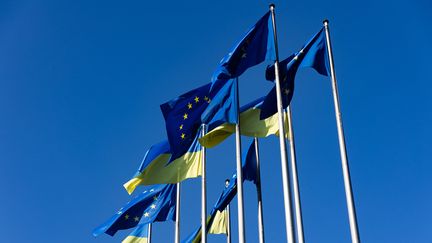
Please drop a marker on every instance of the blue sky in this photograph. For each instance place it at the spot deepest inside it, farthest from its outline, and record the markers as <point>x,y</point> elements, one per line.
<point>81,83</point>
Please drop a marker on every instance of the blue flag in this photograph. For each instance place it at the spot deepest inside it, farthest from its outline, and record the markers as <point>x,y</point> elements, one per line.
<point>313,54</point>
<point>156,203</point>
<point>213,102</point>
<point>255,47</point>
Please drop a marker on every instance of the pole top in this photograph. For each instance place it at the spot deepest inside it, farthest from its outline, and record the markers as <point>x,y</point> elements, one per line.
<point>325,22</point>
<point>227,182</point>
<point>272,6</point>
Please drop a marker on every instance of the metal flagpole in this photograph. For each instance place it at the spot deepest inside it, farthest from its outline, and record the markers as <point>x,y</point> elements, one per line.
<point>241,226</point>
<point>203,191</point>
<point>177,222</point>
<point>259,195</point>
<point>284,163</point>
<point>296,190</point>
<point>228,216</point>
<point>355,238</point>
<point>149,239</point>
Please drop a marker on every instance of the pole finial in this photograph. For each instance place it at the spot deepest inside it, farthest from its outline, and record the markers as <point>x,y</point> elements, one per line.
<point>325,22</point>
<point>227,182</point>
<point>272,6</point>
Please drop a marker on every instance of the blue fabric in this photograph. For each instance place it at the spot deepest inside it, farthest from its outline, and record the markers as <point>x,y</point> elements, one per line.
<point>223,108</point>
<point>153,152</point>
<point>255,47</point>
<point>183,116</point>
<point>313,54</point>
<point>156,203</point>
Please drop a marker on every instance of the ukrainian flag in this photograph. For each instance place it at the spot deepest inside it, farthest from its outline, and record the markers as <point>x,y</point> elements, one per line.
<point>155,168</point>
<point>139,235</point>
<point>251,125</point>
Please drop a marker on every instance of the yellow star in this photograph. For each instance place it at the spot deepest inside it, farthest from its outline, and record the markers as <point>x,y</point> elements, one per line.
<point>181,127</point>
<point>126,217</point>
<point>146,214</point>
<point>206,98</point>
<point>153,206</point>
<point>196,99</point>
<point>136,219</point>
<point>155,198</point>
<point>185,116</point>
<point>189,106</point>
<point>183,136</point>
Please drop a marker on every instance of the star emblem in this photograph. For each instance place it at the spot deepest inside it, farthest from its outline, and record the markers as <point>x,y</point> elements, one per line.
<point>155,198</point>
<point>153,206</point>
<point>126,217</point>
<point>151,190</point>
<point>189,106</point>
<point>295,58</point>
<point>286,91</point>
<point>136,219</point>
<point>206,98</point>
<point>185,116</point>
<point>146,214</point>
<point>183,136</point>
<point>181,127</point>
<point>196,99</point>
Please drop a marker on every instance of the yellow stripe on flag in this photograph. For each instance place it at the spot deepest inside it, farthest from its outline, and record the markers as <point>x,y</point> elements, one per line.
<point>158,172</point>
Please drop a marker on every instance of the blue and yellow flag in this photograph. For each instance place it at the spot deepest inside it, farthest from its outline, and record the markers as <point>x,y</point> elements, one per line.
<point>139,235</point>
<point>251,126</point>
<point>155,168</point>
<point>256,46</point>
<point>313,54</point>
<point>156,203</point>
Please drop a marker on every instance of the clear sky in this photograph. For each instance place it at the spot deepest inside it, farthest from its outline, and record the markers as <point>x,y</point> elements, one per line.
<point>81,83</point>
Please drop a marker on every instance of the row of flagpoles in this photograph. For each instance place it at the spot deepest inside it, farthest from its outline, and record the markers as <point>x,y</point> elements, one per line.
<point>204,117</point>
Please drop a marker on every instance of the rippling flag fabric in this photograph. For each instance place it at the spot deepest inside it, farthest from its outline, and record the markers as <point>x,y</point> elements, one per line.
<point>312,54</point>
<point>256,46</point>
<point>155,169</point>
<point>156,203</point>
<point>139,235</point>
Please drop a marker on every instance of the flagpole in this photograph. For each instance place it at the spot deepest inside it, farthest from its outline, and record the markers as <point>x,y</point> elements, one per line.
<point>355,238</point>
<point>149,238</point>
<point>259,195</point>
<point>177,222</point>
<point>296,190</point>
<point>284,163</point>
<point>228,216</point>
<point>203,191</point>
<point>241,226</point>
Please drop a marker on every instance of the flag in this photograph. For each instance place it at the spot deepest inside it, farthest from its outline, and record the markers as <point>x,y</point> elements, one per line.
<point>313,54</point>
<point>251,126</point>
<point>139,235</point>
<point>185,114</point>
<point>256,46</point>
<point>156,203</point>
<point>155,169</point>
<point>219,224</point>
<point>223,107</point>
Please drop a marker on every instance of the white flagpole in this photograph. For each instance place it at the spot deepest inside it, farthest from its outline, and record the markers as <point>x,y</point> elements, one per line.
<point>241,227</point>
<point>296,190</point>
<point>177,222</point>
<point>284,162</point>
<point>259,195</point>
<point>149,239</point>
<point>355,238</point>
<point>228,216</point>
<point>203,191</point>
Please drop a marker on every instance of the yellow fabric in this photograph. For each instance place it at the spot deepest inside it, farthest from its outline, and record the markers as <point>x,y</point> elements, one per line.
<point>158,172</point>
<point>134,239</point>
<point>250,125</point>
<point>219,225</point>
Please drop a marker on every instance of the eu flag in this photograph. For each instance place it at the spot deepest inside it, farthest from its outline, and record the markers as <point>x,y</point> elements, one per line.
<point>313,54</point>
<point>156,203</point>
<point>255,47</point>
